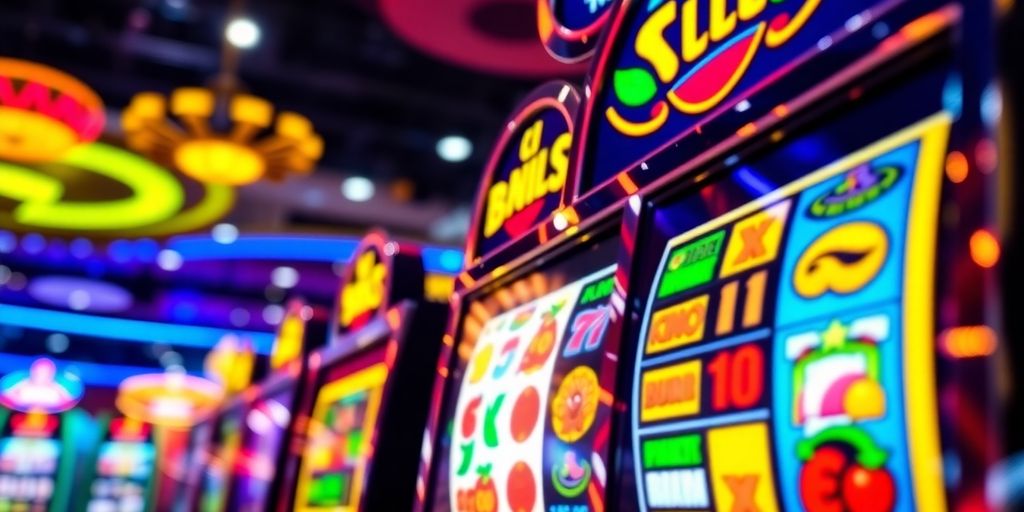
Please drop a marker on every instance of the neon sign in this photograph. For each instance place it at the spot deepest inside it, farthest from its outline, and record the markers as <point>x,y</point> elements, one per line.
<point>671,65</point>
<point>364,293</point>
<point>44,112</point>
<point>231,363</point>
<point>381,273</point>
<point>528,171</point>
<point>290,335</point>
<point>41,389</point>
<point>155,203</point>
<point>709,62</point>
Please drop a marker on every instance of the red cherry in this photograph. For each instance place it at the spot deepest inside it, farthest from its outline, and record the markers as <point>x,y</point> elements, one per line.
<point>819,480</point>
<point>868,490</point>
<point>469,416</point>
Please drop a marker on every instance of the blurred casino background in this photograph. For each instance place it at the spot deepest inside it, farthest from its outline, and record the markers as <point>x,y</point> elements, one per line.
<point>404,120</point>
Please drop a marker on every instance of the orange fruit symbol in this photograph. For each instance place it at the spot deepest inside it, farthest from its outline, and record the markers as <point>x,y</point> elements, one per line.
<point>574,406</point>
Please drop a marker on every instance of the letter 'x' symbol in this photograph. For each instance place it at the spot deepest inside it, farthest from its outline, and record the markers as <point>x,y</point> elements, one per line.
<point>743,488</point>
<point>753,241</point>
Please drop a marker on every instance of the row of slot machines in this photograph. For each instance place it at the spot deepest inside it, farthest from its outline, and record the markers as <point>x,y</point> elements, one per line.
<point>753,264</point>
<point>72,461</point>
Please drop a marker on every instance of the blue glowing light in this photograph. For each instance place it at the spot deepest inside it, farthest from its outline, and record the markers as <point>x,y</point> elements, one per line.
<point>91,374</point>
<point>138,331</point>
<point>297,248</point>
<point>8,241</point>
<point>33,243</point>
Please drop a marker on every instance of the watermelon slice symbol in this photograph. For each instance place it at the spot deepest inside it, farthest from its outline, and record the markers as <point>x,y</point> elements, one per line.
<point>713,78</point>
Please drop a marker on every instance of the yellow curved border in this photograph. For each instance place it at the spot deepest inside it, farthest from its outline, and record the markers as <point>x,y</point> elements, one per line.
<point>776,38</point>
<point>703,106</point>
<point>919,322</point>
<point>40,193</point>
<point>632,129</point>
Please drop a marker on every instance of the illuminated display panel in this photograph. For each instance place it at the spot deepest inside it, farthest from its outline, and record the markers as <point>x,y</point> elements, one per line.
<point>265,427</point>
<point>527,174</point>
<point>30,453</point>
<point>528,416</point>
<point>226,443</point>
<point>785,359</point>
<point>341,434</point>
<point>124,468</point>
<point>674,64</point>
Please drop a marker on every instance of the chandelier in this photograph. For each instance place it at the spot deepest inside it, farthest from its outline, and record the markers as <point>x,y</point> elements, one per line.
<point>253,144</point>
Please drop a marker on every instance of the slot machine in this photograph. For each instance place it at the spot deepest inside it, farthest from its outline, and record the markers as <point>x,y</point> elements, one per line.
<point>807,202</point>
<point>523,403</point>
<point>357,443</point>
<point>43,439</point>
<point>123,467</point>
<point>161,412</point>
<point>256,482</point>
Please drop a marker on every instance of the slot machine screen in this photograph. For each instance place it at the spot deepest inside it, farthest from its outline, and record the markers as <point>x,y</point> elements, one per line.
<point>340,435</point>
<point>785,358</point>
<point>226,442</point>
<point>30,453</point>
<point>265,426</point>
<point>124,467</point>
<point>527,416</point>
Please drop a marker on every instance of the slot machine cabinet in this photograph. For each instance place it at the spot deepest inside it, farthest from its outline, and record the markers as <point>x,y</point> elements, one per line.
<point>357,443</point>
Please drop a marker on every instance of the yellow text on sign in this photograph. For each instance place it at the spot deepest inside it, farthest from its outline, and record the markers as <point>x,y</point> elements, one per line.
<point>677,325</point>
<point>755,240</point>
<point>741,470</point>
<point>671,392</point>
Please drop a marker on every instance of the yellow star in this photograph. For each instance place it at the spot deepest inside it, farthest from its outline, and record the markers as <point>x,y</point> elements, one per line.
<point>835,336</point>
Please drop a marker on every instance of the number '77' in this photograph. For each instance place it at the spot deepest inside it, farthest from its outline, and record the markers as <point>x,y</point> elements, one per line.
<point>587,330</point>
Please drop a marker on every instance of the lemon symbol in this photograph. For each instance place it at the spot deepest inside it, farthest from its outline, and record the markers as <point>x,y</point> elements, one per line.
<point>480,364</point>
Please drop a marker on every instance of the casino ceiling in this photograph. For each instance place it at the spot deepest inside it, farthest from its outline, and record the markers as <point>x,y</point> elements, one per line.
<point>380,94</point>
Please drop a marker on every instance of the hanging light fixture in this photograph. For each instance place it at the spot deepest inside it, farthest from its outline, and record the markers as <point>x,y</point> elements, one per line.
<point>173,400</point>
<point>184,137</point>
<point>219,134</point>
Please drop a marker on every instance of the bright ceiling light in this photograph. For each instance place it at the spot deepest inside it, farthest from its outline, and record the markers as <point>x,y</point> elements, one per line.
<point>224,233</point>
<point>357,189</point>
<point>284,277</point>
<point>169,260</point>
<point>454,148</point>
<point>243,33</point>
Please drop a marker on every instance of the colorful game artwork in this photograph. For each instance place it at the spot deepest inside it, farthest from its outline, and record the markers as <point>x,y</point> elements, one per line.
<point>125,465</point>
<point>30,457</point>
<point>786,361</point>
<point>340,439</point>
<point>529,434</point>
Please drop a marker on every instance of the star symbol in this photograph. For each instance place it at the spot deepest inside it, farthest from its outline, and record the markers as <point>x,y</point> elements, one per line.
<point>834,336</point>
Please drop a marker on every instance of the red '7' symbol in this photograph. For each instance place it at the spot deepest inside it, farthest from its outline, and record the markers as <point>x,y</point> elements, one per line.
<point>587,331</point>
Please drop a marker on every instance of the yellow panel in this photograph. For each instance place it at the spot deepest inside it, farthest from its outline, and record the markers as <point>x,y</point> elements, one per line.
<point>671,392</point>
<point>755,240</point>
<point>741,469</point>
<point>677,325</point>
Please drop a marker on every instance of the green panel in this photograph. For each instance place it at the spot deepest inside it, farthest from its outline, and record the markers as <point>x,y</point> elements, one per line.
<point>673,452</point>
<point>691,265</point>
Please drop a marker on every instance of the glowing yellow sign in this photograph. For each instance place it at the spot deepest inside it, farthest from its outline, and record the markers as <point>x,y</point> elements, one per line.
<point>288,344</point>
<point>234,158</point>
<point>44,112</point>
<point>231,363</point>
<point>364,293</point>
<point>153,206</point>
